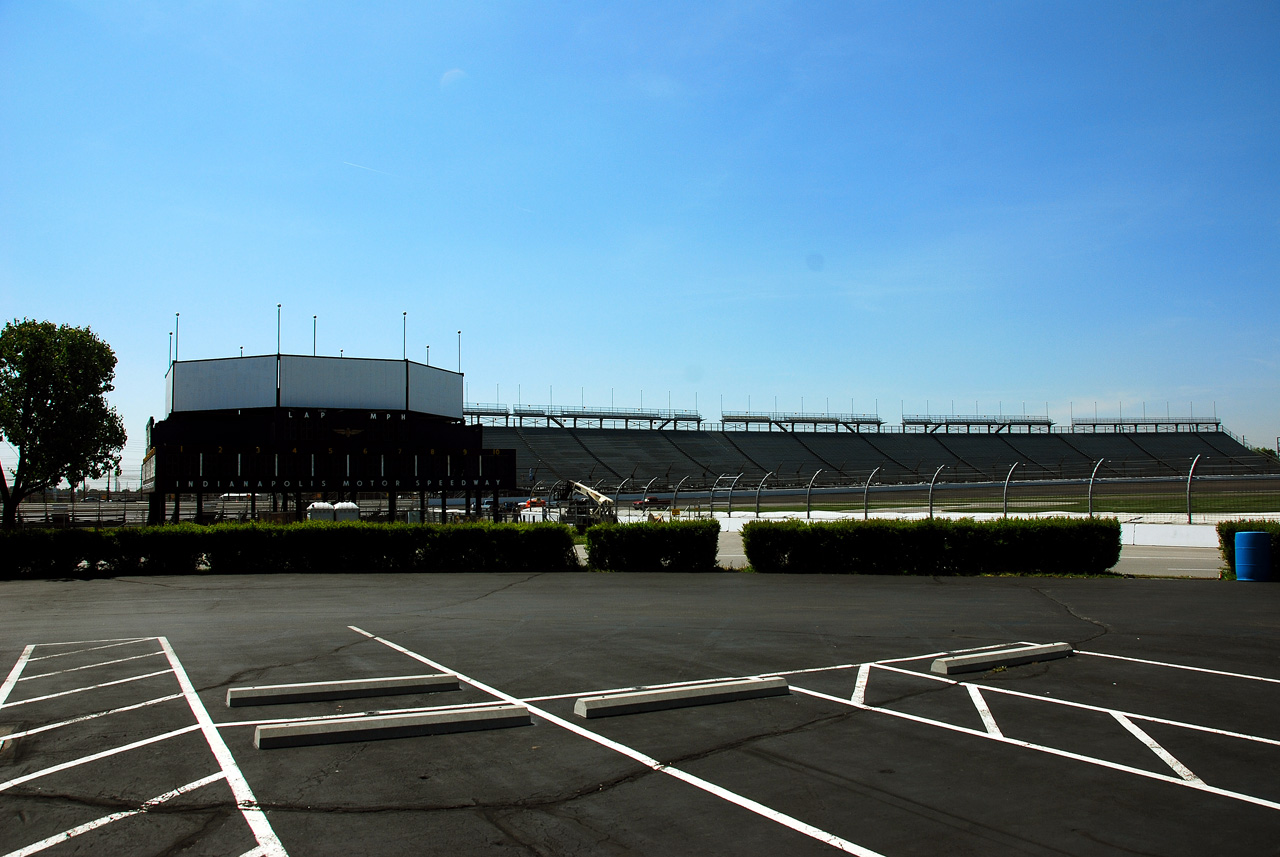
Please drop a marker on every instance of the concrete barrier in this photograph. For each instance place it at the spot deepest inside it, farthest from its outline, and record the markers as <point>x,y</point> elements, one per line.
<point>320,691</point>
<point>1000,658</point>
<point>633,702</point>
<point>303,733</point>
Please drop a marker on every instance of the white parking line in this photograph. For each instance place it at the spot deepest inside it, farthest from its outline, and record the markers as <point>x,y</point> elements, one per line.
<point>1053,751</point>
<point>84,760</point>
<point>91,649</point>
<point>12,680</point>
<point>983,711</point>
<point>1180,667</point>
<point>84,689</point>
<point>1179,768</point>
<point>91,666</point>
<point>649,762</point>
<point>94,716</point>
<point>58,838</point>
<point>248,804</point>
<point>1086,706</point>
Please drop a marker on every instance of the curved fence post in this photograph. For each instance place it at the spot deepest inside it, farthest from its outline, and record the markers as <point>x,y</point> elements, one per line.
<point>675,498</point>
<point>933,482</point>
<point>866,489</point>
<point>809,491</point>
<point>758,487</point>
<point>731,484</point>
<point>1006,488</point>
<point>1093,476</point>
<point>1191,473</point>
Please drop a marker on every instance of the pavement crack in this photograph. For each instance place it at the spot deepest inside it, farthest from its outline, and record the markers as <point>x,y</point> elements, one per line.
<point>255,672</point>
<point>1103,627</point>
<point>493,592</point>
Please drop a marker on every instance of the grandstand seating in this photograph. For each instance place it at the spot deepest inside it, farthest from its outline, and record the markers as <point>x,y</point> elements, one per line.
<point>607,456</point>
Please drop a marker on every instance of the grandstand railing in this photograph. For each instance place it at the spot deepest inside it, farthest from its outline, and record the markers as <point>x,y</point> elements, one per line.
<point>991,423</point>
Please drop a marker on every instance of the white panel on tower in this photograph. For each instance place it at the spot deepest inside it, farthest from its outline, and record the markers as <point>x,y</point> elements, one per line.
<point>227,384</point>
<point>336,382</point>
<point>435,391</point>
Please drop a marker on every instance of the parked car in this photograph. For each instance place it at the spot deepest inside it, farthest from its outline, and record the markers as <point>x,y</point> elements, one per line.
<point>651,503</point>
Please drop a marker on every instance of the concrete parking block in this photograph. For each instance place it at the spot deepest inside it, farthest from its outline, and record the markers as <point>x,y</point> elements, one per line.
<point>1000,658</point>
<point>304,733</point>
<point>319,691</point>
<point>634,702</point>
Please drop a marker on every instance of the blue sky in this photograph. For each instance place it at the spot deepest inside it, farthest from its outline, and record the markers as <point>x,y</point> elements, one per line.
<point>857,204</point>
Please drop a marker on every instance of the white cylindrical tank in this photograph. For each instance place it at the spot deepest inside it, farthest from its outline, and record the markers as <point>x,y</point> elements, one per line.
<point>346,511</point>
<point>320,511</point>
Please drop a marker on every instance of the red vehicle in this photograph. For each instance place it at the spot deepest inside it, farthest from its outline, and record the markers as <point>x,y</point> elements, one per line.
<point>651,503</point>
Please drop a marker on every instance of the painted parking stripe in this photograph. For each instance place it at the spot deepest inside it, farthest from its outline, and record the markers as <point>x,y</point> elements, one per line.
<point>7,687</point>
<point>1053,751</point>
<point>1182,667</point>
<point>1165,756</point>
<point>1149,718</point>
<point>649,762</point>
<point>91,642</point>
<point>983,711</point>
<point>774,674</point>
<point>91,649</point>
<point>462,706</point>
<point>248,804</point>
<point>65,835</point>
<point>85,689</point>
<point>94,716</point>
<point>860,687</point>
<point>92,666</point>
<point>84,760</point>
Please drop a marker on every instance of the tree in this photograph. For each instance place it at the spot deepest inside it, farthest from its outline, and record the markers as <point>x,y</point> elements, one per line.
<point>53,410</point>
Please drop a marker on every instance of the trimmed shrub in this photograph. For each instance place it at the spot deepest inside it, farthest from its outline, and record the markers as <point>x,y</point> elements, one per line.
<point>1227,542</point>
<point>680,546</point>
<point>304,547</point>
<point>934,546</point>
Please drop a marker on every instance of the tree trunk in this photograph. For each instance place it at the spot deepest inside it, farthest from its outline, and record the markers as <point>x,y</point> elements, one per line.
<point>9,519</point>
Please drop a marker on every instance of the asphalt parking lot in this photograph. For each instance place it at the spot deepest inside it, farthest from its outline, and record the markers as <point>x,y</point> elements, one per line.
<point>1157,737</point>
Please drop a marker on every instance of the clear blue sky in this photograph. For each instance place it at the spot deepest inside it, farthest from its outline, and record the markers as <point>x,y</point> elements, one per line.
<point>909,204</point>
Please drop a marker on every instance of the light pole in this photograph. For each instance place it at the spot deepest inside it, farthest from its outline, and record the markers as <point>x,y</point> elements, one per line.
<point>428,355</point>
<point>459,352</point>
<point>313,336</point>
<point>175,336</point>
<point>277,330</point>
<point>404,337</point>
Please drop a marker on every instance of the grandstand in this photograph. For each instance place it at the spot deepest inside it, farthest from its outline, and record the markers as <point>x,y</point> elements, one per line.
<point>658,449</point>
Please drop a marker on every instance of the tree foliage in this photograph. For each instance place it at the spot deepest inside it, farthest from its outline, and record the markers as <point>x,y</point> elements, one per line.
<point>53,408</point>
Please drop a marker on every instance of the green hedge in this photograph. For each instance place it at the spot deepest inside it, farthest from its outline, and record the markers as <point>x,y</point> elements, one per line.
<point>303,547</point>
<point>682,546</point>
<point>934,546</point>
<point>1227,541</point>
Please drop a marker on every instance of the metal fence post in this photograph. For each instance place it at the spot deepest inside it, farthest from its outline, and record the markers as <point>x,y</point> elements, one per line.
<point>1006,488</point>
<point>866,489</point>
<point>1191,473</point>
<point>758,487</point>
<point>731,484</point>
<point>809,491</point>
<point>675,498</point>
<point>932,482</point>
<point>1092,476</point>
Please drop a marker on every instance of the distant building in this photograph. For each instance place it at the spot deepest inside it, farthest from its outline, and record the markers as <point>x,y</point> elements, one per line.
<point>290,425</point>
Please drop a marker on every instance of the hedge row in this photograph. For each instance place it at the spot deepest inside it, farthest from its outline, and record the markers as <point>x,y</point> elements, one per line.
<point>670,546</point>
<point>1227,541</point>
<point>934,546</point>
<point>302,547</point>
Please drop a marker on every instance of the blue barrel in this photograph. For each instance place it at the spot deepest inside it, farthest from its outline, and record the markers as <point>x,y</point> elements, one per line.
<point>1253,556</point>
